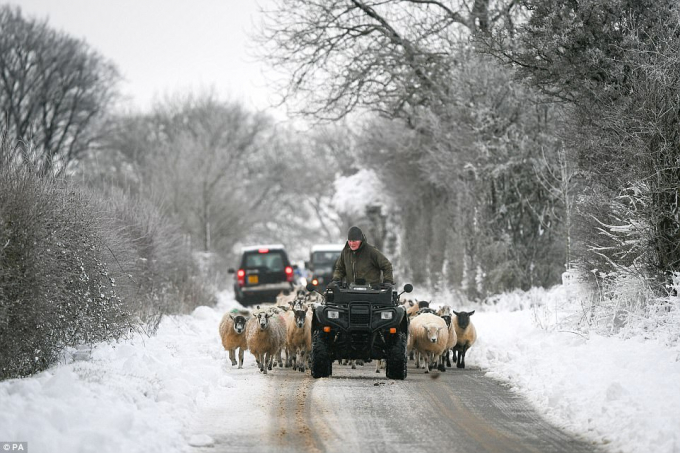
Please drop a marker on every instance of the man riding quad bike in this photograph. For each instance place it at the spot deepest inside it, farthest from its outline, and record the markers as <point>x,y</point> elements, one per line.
<point>361,317</point>
<point>358,321</point>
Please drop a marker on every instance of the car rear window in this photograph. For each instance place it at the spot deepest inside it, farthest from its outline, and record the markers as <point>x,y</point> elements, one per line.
<point>273,261</point>
<point>325,257</point>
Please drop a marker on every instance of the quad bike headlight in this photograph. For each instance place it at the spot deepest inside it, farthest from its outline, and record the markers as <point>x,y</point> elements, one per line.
<point>386,315</point>
<point>333,314</point>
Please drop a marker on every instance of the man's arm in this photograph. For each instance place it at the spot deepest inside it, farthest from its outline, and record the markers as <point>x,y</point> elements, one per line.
<point>339,272</point>
<point>385,266</point>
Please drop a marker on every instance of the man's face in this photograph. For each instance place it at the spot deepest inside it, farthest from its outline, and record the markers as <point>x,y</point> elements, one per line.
<point>354,244</point>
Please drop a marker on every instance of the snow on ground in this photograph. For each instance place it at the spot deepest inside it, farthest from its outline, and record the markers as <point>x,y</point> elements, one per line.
<point>145,395</point>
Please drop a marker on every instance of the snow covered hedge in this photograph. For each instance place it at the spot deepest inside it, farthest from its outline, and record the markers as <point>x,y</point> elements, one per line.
<point>76,268</point>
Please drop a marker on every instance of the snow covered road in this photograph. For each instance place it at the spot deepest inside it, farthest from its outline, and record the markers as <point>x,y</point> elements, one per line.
<point>361,411</point>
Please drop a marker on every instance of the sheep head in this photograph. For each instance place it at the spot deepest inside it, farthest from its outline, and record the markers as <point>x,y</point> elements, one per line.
<point>432,333</point>
<point>239,323</point>
<point>464,318</point>
<point>263,320</point>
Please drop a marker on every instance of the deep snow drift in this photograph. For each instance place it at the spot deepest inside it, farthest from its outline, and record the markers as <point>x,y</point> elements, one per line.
<point>143,395</point>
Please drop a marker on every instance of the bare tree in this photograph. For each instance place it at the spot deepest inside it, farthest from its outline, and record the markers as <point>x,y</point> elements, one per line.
<point>207,163</point>
<point>386,55</point>
<point>53,91</point>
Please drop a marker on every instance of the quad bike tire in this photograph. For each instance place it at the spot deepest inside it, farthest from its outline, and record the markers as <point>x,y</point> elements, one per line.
<point>396,360</point>
<point>321,366</point>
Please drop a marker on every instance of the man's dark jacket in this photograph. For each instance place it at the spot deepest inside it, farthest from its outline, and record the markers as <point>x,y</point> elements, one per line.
<point>366,262</point>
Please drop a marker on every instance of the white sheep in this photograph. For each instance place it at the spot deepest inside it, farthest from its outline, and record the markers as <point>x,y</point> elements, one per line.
<point>232,331</point>
<point>446,314</point>
<point>299,335</point>
<point>266,336</point>
<point>411,307</point>
<point>285,299</point>
<point>466,333</point>
<point>428,336</point>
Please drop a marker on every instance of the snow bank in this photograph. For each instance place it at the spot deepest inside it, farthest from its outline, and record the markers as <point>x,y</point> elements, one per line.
<point>623,392</point>
<point>132,396</point>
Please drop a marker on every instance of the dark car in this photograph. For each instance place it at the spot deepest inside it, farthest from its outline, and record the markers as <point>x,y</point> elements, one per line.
<point>264,271</point>
<point>321,263</point>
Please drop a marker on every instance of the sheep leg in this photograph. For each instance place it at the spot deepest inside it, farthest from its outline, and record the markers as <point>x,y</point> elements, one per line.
<point>240,358</point>
<point>301,357</point>
<point>442,365</point>
<point>232,356</point>
<point>448,360</point>
<point>461,357</point>
<point>266,362</point>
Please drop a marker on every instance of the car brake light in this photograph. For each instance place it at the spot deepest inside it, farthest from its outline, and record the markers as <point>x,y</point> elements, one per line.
<point>289,273</point>
<point>263,251</point>
<point>241,275</point>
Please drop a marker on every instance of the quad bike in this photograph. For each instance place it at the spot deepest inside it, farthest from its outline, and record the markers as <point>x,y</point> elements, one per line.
<point>358,321</point>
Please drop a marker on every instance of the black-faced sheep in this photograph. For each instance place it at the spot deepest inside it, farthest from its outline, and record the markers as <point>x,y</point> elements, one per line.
<point>428,336</point>
<point>266,336</point>
<point>232,331</point>
<point>467,335</point>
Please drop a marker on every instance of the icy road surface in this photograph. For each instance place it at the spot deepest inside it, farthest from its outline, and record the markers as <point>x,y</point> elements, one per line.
<point>362,411</point>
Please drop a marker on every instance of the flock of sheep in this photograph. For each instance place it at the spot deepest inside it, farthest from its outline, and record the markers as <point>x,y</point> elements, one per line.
<point>434,334</point>
<point>285,327</point>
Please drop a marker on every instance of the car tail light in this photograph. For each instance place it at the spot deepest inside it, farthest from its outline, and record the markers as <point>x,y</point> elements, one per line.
<point>262,250</point>
<point>241,275</point>
<point>289,273</point>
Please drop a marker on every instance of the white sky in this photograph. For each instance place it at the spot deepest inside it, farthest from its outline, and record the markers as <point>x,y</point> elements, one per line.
<point>168,46</point>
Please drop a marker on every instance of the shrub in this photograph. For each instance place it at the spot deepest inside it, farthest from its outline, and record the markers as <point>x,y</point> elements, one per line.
<point>79,266</point>
<point>55,287</point>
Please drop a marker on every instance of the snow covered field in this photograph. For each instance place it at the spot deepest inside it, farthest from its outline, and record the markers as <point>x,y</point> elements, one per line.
<point>144,395</point>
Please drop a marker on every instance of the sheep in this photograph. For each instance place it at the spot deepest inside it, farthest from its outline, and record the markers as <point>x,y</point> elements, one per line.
<point>285,299</point>
<point>313,299</point>
<point>299,335</point>
<point>466,333</point>
<point>410,306</point>
<point>232,331</point>
<point>444,312</point>
<point>266,336</point>
<point>428,335</point>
